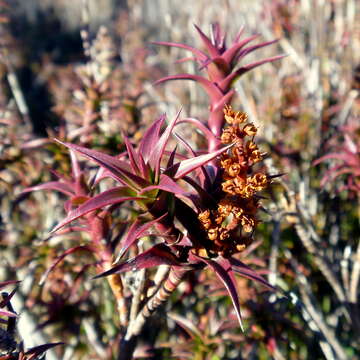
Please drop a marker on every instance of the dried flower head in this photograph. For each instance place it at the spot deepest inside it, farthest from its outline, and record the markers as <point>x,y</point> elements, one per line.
<point>229,227</point>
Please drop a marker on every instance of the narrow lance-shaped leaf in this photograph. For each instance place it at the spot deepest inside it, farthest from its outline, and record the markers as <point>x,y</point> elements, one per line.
<point>201,126</point>
<point>250,49</point>
<point>224,84</point>
<point>37,350</point>
<point>159,254</point>
<point>136,231</point>
<point>244,270</point>
<point>8,282</point>
<point>133,156</point>
<point>230,54</point>
<point>222,269</point>
<point>211,89</point>
<point>52,185</point>
<point>118,168</point>
<point>187,325</point>
<point>204,178</point>
<point>109,197</point>
<point>157,151</point>
<point>7,298</point>
<point>166,184</point>
<point>150,139</point>
<point>186,166</point>
<point>61,257</point>
<point>198,53</point>
<point>7,313</point>
<point>213,51</point>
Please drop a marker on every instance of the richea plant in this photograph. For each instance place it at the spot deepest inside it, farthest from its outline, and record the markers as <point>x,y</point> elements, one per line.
<point>189,210</point>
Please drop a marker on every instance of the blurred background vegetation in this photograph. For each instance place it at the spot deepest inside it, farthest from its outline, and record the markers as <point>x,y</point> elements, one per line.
<point>82,71</point>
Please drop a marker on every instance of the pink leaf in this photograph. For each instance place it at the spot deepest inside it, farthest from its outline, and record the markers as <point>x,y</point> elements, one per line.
<point>242,70</point>
<point>37,350</point>
<point>166,184</point>
<point>109,197</point>
<point>230,54</point>
<point>186,166</point>
<point>244,270</point>
<point>150,138</point>
<point>212,90</point>
<point>7,299</point>
<point>120,169</point>
<point>133,156</point>
<point>222,269</point>
<point>213,51</point>
<point>52,185</point>
<point>201,126</point>
<point>137,230</point>
<point>157,151</point>
<point>250,49</point>
<point>7,313</point>
<point>198,53</point>
<point>159,254</point>
<point>61,257</point>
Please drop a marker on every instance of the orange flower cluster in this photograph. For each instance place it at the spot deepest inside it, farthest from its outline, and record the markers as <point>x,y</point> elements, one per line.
<point>230,226</point>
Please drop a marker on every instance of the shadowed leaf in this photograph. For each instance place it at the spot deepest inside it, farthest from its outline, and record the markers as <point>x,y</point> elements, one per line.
<point>213,51</point>
<point>135,232</point>
<point>212,90</point>
<point>118,168</point>
<point>222,269</point>
<point>109,197</point>
<point>244,270</point>
<point>157,151</point>
<point>198,53</point>
<point>186,166</point>
<point>52,185</point>
<point>61,257</point>
<point>150,139</point>
<point>158,255</point>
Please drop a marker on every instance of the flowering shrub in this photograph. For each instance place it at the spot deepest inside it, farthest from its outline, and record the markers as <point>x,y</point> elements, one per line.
<point>180,210</point>
<point>217,207</point>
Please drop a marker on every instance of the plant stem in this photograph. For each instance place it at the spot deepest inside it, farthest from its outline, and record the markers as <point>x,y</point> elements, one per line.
<point>174,278</point>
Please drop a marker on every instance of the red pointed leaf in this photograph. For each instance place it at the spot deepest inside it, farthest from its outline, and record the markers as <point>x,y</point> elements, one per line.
<point>229,54</point>
<point>171,158</point>
<point>8,282</point>
<point>211,89</point>
<point>150,138</point>
<point>244,69</point>
<point>213,51</point>
<point>133,156</point>
<point>158,255</point>
<point>187,325</point>
<point>223,101</point>
<point>52,185</point>
<point>61,258</point>
<point>244,270</point>
<point>137,230</point>
<point>118,168</point>
<point>157,151</point>
<point>109,197</point>
<point>166,184</point>
<point>201,126</point>
<point>7,313</point>
<point>37,350</point>
<point>203,175</point>
<point>7,299</point>
<point>186,166</point>
<point>222,269</point>
<point>198,53</point>
<point>250,49</point>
